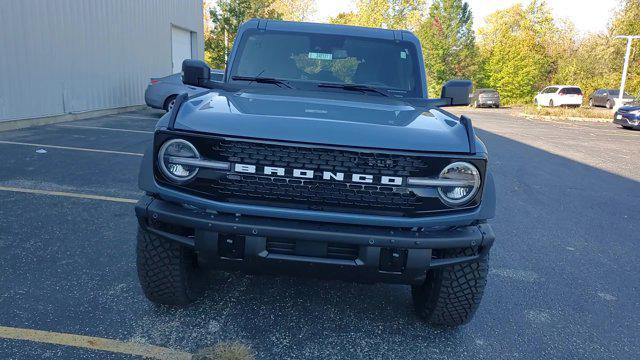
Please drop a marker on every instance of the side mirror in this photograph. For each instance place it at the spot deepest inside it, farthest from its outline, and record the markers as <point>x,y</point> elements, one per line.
<point>195,73</point>
<point>456,92</point>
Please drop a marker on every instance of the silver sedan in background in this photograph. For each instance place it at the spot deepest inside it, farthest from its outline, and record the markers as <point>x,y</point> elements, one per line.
<point>161,92</point>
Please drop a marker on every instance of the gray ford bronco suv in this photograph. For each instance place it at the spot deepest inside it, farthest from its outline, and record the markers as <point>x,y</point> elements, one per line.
<point>320,154</point>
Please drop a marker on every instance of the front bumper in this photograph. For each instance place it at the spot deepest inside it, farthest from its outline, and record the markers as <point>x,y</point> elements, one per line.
<point>233,242</point>
<point>627,120</point>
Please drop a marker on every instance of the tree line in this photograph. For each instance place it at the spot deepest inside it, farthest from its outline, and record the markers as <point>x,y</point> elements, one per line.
<point>518,50</point>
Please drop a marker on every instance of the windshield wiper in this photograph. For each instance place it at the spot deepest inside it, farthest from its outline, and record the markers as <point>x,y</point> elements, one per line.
<point>353,87</point>
<point>262,80</point>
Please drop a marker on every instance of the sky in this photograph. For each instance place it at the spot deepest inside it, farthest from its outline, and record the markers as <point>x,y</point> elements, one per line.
<point>587,15</point>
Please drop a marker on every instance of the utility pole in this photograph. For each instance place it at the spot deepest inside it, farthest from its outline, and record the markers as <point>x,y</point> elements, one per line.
<point>226,46</point>
<point>625,68</point>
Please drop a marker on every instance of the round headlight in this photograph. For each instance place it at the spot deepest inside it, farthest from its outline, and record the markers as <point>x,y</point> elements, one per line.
<point>176,158</point>
<point>465,182</point>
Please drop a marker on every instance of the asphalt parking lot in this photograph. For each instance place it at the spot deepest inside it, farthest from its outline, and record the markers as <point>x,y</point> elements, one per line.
<point>564,279</point>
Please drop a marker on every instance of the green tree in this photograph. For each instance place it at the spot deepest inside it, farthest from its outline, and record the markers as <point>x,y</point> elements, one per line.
<point>448,43</point>
<point>595,61</point>
<point>625,22</point>
<point>588,63</point>
<point>226,17</point>
<point>517,51</point>
<point>294,10</point>
<point>389,14</point>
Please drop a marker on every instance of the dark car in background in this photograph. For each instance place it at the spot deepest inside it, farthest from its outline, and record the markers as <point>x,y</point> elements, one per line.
<point>161,92</point>
<point>608,98</point>
<point>485,98</point>
<point>628,116</point>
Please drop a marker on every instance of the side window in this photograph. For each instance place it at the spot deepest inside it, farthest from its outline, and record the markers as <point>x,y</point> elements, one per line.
<point>552,90</point>
<point>544,91</point>
<point>599,92</point>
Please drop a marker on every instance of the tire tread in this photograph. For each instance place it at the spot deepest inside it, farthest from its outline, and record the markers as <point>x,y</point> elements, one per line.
<point>165,270</point>
<point>451,295</point>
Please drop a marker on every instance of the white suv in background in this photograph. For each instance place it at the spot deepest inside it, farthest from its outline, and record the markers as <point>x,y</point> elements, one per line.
<point>559,95</point>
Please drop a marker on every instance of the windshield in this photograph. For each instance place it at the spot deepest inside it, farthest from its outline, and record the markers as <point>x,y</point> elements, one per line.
<point>320,58</point>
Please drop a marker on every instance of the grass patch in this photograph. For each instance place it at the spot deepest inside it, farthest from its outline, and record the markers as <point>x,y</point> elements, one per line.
<point>568,113</point>
<point>225,351</point>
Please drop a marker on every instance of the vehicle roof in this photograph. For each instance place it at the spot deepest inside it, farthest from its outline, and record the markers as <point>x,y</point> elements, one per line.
<point>332,29</point>
<point>605,89</point>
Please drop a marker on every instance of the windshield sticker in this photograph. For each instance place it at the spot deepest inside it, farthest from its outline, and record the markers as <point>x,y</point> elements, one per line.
<point>320,56</point>
<point>403,55</point>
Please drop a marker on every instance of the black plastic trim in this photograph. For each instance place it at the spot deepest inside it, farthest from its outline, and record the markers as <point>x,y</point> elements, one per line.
<point>166,212</point>
<point>471,134</point>
<point>153,214</point>
<point>180,99</point>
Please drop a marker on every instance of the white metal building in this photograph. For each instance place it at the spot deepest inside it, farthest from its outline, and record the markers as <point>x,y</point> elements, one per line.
<point>72,56</point>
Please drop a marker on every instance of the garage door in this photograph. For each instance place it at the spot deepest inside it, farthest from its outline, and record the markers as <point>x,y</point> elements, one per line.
<point>180,47</point>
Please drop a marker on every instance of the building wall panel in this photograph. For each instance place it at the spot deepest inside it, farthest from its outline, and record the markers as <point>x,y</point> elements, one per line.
<point>68,56</point>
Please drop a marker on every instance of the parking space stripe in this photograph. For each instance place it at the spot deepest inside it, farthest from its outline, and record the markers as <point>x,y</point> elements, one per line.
<point>136,117</point>
<point>93,343</point>
<point>70,148</point>
<point>104,128</point>
<point>68,194</point>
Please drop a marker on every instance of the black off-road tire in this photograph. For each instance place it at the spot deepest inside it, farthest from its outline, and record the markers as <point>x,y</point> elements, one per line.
<point>450,296</point>
<point>168,272</point>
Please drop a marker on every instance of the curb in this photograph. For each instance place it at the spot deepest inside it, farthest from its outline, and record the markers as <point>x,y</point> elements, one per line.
<point>569,118</point>
<point>46,120</point>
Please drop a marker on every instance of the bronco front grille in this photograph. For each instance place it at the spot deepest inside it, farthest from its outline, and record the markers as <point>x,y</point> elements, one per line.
<point>317,193</point>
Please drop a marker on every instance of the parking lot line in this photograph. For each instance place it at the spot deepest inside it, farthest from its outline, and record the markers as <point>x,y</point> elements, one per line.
<point>70,148</point>
<point>135,117</point>
<point>104,128</point>
<point>94,343</point>
<point>67,194</point>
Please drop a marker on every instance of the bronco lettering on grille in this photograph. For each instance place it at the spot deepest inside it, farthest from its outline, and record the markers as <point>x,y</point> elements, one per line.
<point>326,175</point>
